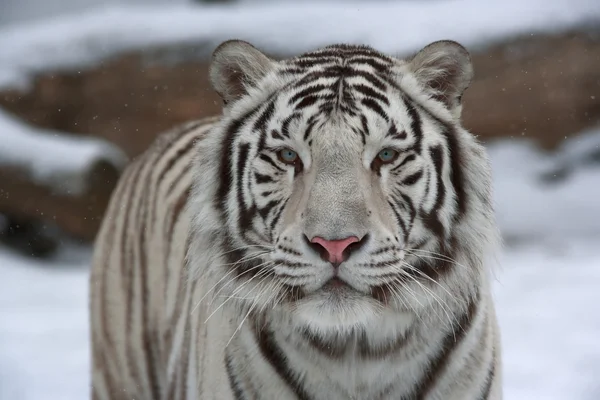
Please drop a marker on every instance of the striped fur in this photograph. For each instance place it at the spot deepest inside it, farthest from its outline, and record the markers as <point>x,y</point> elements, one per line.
<point>205,283</point>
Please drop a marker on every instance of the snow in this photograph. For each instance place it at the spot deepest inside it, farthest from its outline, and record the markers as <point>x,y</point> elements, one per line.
<point>58,160</point>
<point>546,290</point>
<point>75,41</point>
<point>44,330</point>
<point>529,206</point>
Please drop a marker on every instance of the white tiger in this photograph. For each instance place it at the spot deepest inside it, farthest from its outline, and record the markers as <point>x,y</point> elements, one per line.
<point>327,237</point>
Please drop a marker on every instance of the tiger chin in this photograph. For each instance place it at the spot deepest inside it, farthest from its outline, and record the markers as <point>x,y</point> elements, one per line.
<point>327,237</point>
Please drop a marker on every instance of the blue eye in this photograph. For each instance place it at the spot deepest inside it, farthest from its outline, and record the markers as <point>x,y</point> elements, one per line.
<point>288,156</point>
<point>387,155</point>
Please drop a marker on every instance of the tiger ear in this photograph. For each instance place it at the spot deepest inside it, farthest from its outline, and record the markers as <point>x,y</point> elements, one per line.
<point>237,66</point>
<point>445,68</point>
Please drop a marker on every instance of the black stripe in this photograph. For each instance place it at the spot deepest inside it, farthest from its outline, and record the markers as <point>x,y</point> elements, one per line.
<point>128,262</point>
<point>285,126</point>
<point>365,125</point>
<point>277,217</point>
<point>225,178</point>
<point>399,220</point>
<point>313,62</point>
<point>373,105</point>
<point>149,354</point>
<point>370,93</point>
<point>380,65</point>
<point>264,211</point>
<point>245,211</point>
<point>413,178</point>
<point>260,178</point>
<point>452,340</point>
<point>431,219</point>
<point>394,134</point>
<point>276,135</point>
<point>486,392</point>
<point>273,354</point>
<point>415,125</point>
<point>235,386</point>
<point>182,152</point>
<point>456,171</point>
<point>371,78</point>
<point>309,91</point>
<point>312,121</point>
<point>412,210</point>
<point>270,161</point>
<point>262,121</point>
<point>407,159</point>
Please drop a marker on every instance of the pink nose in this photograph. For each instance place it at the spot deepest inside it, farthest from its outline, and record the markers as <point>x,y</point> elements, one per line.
<point>335,248</point>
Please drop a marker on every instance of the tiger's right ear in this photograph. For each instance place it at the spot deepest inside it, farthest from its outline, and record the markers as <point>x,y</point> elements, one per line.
<point>237,66</point>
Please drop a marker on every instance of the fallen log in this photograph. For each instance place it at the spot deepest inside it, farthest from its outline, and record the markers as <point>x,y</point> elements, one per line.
<point>49,176</point>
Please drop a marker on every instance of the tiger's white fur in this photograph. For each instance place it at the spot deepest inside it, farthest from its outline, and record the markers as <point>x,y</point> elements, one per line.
<point>203,286</point>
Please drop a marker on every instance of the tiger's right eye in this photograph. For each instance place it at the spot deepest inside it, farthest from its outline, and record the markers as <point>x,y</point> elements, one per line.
<point>288,156</point>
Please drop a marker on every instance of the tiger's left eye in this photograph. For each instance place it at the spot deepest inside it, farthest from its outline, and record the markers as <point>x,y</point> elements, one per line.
<point>387,156</point>
<point>287,156</point>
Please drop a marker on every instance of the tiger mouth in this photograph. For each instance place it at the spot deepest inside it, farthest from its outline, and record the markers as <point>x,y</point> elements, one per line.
<point>336,283</point>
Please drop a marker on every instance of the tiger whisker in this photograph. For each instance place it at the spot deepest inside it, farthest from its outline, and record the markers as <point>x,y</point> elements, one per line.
<point>240,275</point>
<point>436,256</point>
<point>262,273</point>
<point>254,304</point>
<point>209,291</point>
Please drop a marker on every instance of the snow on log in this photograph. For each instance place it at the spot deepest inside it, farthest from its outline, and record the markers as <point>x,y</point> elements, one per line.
<point>50,175</point>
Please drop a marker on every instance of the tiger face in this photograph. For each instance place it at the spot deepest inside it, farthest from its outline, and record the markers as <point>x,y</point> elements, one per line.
<point>338,171</point>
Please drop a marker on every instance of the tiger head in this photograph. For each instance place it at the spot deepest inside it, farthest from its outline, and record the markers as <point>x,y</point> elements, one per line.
<point>340,185</point>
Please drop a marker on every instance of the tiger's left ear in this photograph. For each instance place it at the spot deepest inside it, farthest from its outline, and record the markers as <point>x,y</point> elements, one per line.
<point>445,68</point>
<point>237,66</point>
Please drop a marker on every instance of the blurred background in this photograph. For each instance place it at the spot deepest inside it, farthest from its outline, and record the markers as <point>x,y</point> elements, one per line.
<point>86,85</point>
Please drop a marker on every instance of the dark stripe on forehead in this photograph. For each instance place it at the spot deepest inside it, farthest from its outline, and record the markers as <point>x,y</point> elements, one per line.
<point>394,134</point>
<point>371,78</point>
<point>378,64</point>
<point>264,118</point>
<point>365,126</point>
<point>285,126</point>
<point>374,106</point>
<point>369,92</point>
<point>415,125</point>
<point>309,91</point>
<point>312,121</point>
<point>276,135</point>
<point>307,102</point>
<point>262,123</point>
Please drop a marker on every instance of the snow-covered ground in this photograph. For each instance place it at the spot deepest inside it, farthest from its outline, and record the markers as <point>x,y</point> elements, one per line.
<point>546,290</point>
<point>77,40</point>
